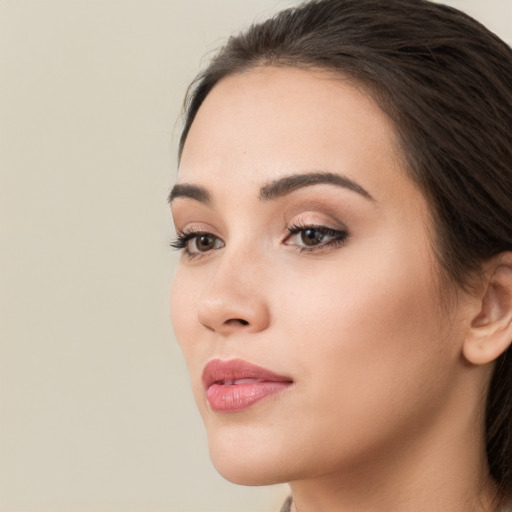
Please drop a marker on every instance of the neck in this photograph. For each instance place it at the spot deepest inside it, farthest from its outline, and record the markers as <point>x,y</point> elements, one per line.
<point>438,483</point>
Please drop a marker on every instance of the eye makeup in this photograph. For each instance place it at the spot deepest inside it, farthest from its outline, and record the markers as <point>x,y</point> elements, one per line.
<point>314,237</point>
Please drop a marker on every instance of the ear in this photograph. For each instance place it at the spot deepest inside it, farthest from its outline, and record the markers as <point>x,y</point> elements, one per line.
<point>490,333</point>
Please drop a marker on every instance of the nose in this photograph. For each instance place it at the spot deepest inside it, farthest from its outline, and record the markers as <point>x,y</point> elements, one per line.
<point>234,298</point>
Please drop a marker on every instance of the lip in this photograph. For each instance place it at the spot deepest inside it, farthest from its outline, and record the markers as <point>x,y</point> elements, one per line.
<point>235,384</point>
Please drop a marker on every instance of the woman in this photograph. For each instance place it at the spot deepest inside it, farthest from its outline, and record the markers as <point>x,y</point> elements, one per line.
<point>344,294</point>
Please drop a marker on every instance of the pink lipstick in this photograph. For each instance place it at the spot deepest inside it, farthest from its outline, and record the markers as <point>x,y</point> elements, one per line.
<point>235,385</point>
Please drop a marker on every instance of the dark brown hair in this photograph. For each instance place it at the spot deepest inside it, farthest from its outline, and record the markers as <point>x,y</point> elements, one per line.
<point>446,83</point>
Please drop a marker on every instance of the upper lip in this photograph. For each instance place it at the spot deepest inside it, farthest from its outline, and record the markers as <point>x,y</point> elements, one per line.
<point>222,371</point>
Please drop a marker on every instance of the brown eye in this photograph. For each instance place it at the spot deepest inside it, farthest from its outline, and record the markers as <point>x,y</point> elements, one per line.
<point>203,242</point>
<point>195,243</point>
<point>312,236</point>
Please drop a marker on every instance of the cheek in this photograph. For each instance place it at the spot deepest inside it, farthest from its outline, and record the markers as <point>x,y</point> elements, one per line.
<point>363,296</point>
<point>370,339</point>
<point>183,306</point>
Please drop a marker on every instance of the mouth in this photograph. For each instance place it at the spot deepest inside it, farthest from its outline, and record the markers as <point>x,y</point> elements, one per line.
<point>234,385</point>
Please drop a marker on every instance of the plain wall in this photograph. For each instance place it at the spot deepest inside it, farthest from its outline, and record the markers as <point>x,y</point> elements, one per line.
<point>96,413</point>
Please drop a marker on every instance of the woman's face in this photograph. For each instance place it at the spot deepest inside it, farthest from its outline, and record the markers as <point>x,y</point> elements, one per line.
<point>307,287</point>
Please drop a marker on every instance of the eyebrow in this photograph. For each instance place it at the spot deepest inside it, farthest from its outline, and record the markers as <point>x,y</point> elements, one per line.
<point>191,192</point>
<point>278,188</point>
<point>288,184</point>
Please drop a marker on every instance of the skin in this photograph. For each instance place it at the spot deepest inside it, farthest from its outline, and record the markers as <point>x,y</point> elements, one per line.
<point>385,413</point>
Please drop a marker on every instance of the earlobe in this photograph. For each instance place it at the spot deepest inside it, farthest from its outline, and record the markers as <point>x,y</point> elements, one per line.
<point>490,333</point>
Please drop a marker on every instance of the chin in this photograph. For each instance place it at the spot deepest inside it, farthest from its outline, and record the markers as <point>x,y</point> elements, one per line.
<point>246,461</point>
<point>248,472</point>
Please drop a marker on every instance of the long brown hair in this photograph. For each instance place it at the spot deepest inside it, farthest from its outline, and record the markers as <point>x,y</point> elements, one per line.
<point>446,83</point>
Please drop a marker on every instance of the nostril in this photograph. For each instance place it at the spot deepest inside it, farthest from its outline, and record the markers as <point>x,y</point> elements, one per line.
<point>235,321</point>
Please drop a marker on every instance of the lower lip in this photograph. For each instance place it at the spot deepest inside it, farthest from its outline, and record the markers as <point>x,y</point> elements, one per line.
<point>237,397</point>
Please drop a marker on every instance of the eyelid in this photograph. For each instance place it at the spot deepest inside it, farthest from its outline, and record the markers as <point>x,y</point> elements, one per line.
<point>336,236</point>
<point>332,233</point>
<point>316,217</point>
<point>185,235</point>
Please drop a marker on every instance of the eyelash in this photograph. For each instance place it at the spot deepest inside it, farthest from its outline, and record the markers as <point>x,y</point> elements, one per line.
<point>184,237</point>
<point>337,238</point>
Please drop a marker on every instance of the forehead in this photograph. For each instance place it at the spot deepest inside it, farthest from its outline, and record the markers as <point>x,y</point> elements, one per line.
<point>268,122</point>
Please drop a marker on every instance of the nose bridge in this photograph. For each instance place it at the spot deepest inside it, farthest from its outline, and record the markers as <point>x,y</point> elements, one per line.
<point>234,298</point>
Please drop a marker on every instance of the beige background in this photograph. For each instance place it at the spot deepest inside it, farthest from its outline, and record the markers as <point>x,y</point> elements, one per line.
<point>95,410</point>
